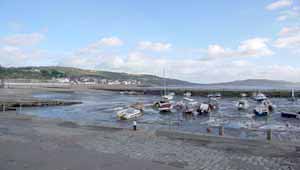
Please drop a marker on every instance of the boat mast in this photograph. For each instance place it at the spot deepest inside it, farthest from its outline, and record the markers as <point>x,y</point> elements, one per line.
<point>165,83</point>
<point>293,93</point>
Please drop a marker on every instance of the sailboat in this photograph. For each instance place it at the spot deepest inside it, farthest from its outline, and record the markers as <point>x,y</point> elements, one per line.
<point>293,97</point>
<point>165,105</point>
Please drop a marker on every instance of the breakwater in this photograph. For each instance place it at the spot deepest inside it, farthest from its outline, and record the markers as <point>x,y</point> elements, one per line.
<point>136,90</point>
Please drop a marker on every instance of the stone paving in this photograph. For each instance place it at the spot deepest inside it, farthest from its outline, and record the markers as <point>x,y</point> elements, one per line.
<point>143,146</point>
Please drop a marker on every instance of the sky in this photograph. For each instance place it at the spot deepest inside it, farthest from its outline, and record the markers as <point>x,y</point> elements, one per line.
<point>198,41</point>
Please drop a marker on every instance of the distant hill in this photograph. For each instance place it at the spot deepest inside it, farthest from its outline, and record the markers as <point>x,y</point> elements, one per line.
<point>264,83</point>
<point>47,73</point>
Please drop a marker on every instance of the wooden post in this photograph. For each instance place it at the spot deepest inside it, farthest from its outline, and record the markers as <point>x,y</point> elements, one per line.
<point>221,131</point>
<point>20,109</point>
<point>269,134</point>
<point>208,130</point>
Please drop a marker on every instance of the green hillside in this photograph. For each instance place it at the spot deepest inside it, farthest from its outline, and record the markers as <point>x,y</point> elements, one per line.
<point>47,73</point>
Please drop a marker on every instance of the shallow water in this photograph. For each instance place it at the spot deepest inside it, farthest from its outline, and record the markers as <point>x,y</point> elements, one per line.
<point>101,106</point>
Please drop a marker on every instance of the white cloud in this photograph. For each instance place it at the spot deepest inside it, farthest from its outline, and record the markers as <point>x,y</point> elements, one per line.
<point>279,4</point>
<point>292,13</point>
<point>110,41</point>
<point>282,18</point>
<point>30,39</point>
<point>154,46</point>
<point>15,56</point>
<point>288,31</point>
<point>289,37</point>
<point>255,47</point>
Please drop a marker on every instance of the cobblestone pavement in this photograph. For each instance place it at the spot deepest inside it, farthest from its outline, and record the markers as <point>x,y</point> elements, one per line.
<point>141,146</point>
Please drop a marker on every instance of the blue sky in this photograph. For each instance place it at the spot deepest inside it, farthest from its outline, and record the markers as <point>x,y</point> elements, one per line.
<point>200,41</point>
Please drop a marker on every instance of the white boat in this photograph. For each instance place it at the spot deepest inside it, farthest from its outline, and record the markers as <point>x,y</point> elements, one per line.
<point>188,99</point>
<point>264,108</point>
<point>215,96</point>
<point>129,113</point>
<point>187,94</point>
<point>204,108</point>
<point>260,97</point>
<point>261,110</point>
<point>190,107</point>
<point>242,104</point>
<point>168,97</point>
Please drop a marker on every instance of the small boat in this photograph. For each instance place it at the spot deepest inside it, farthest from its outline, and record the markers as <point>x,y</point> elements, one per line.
<point>164,106</point>
<point>293,97</point>
<point>261,110</point>
<point>244,95</point>
<point>188,99</point>
<point>168,97</point>
<point>290,115</point>
<point>269,104</point>
<point>204,108</point>
<point>190,107</point>
<point>260,97</point>
<point>242,104</point>
<point>215,96</point>
<point>187,94</point>
<point>129,113</point>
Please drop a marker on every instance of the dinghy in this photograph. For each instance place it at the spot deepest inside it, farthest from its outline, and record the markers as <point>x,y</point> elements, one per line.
<point>290,115</point>
<point>129,113</point>
<point>242,104</point>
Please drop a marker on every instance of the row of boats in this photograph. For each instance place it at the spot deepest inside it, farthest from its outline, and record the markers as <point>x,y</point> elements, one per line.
<point>189,105</point>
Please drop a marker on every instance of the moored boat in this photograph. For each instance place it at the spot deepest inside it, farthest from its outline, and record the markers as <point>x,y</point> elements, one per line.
<point>164,106</point>
<point>290,115</point>
<point>190,106</point>
<point>129,113</point>
<point>204,108</point>
<point>261,110</point>
<point>242,104</point>
<point>260,97</point>
<point>187,94</point>
<point>214,96</point>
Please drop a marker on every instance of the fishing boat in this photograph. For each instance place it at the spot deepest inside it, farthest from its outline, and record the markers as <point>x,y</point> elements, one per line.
<point>290,115</point>
<point>242,104</point>
<point>293,97</point>
<point>129,113</point>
